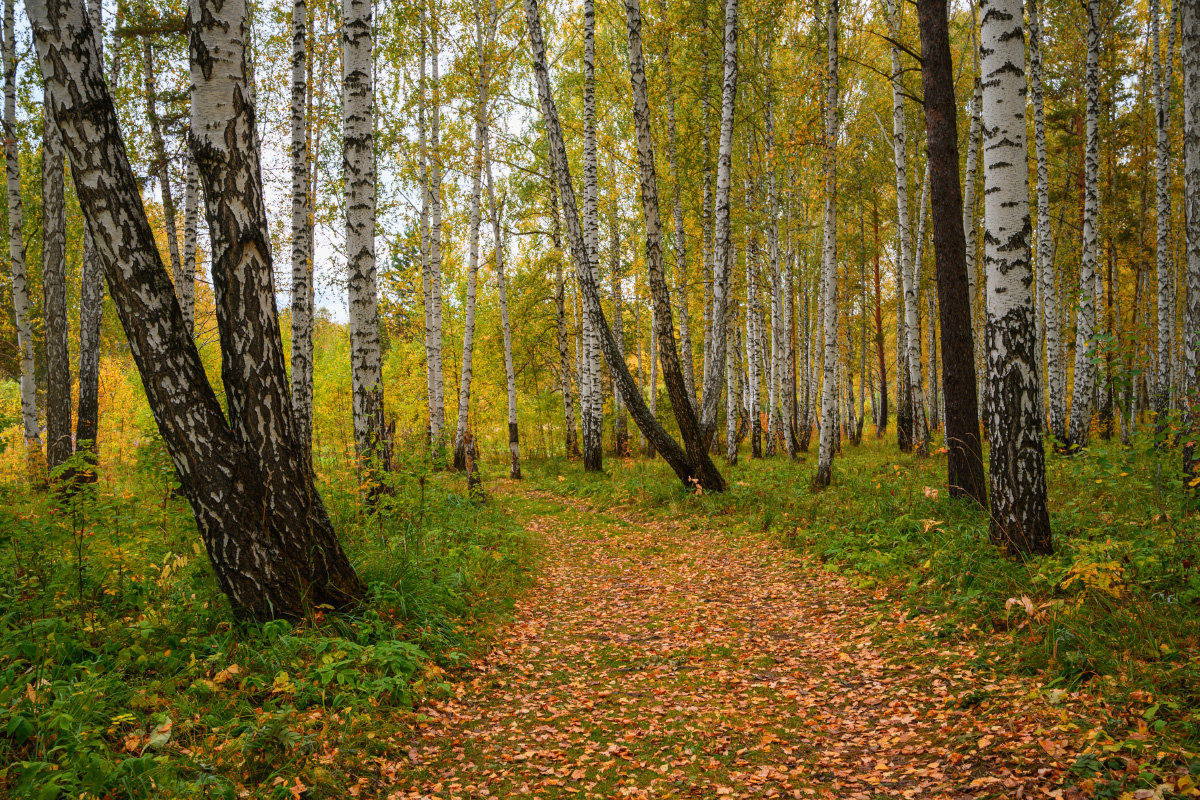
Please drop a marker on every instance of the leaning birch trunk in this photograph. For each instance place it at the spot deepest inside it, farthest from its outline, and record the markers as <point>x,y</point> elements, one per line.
<point>514,443</point>
<point>302,236</point>
<point>270,541</point>
<point>829,287</point>
<point>571,443</point>
<point>696,446</point>
<point>1164,267</point>
<point>1085,369</point>
<point>722,250</point>
<point>16,253</point>
<point>468,346</point>
<point>679,237</point>
<point>591,398</point>
<point>358,165</point>
<point>91,305</point>
<point>705,477</point>
<point>1055,373</point>
<point>910,399</point>
<point>54,294</point>
<point>433,337</point>
<point>1189,27</point>
<point>1019,516</point>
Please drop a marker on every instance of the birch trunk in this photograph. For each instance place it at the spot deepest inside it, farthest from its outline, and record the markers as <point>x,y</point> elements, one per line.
<point>1189,35</point>
<point>679,236</point>
<point>433,336</point>
<point>1019,517</point>
<point>1085,349</point>
<point>722,250</point>
<point>267,534</point>
<point>91,302</point>
<point>653,356</point>
<point>1164,267</point>
<point>881,413</point>
<point>753,378</point>
<point>16,253</point>
<point>423,177</point>
<point>592,397</point>
<point>1055,372</point>
<point>514,442</point>
<point>54,295</point>
<point>829,287</point>
<point>571,443</point>
<point>302,235</point>
<point>703,471</point>
<point>705,478</point>
<point>468,346</point>
<point>620,432</point>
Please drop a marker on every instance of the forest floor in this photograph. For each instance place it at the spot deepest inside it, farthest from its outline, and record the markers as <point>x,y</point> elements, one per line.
<point>675,658</point>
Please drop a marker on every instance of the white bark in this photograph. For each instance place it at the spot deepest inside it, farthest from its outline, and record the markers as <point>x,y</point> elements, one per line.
<point>1189,35</point>
<point>433,337</point>
<point>1085,321</point>
<point>358,165</point>
<point>722,250</point>
<point>1017,470</point>
<point>829,287</point>
<point>302,234</point>
<point>468,346</point>
<point>591,392</point>
<point>1163,264</point>
<point>16,250</point>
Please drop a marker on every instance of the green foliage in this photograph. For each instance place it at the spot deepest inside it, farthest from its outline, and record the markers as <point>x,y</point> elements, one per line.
<point>121,674</point>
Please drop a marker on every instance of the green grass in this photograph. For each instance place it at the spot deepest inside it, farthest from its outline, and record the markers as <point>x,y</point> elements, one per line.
<point>1115,610</point>
<point>121,674</point>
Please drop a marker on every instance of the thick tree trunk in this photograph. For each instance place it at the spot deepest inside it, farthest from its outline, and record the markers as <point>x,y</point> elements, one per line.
<point>268,536</point>
<point>672,453</point>
<point>1085,346</point>
<point>829,287</point>
<point>54,295</point>
<point>16,253</point>
<point>1055,372</point>
<point>302,236</point>
<point>358,166</point>
<point>468,346</point>
<point>592,397</point>
<point>722,250</point>
<point>965,453</point>
<point>1019,517</point>
<point>1189,35</point>
<point>91,303</point>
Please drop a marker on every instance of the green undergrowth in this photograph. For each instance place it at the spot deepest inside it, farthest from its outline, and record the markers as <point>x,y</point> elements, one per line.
<point>1115,611</point>
<point>122,675</point>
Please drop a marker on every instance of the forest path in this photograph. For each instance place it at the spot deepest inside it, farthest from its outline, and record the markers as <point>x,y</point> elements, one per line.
<point>662,659</point>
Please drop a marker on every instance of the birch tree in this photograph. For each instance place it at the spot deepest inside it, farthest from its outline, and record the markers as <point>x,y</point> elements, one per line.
<point>433,332</point>
<point>722,251</point>
<point>16,252</point>
<point>1085,320</point>
<point>1163,261</point>
<point>700,473</point>
<point>1189,30</point>
<point>1055,373</point>
<point>591,394</point>
<point>571,443</point>
<point>468,347</point>
<point>54,295</point>
<point>302,235</point>
<point>1019,516</point>
<point>829,287</point>
<point>273,549</point>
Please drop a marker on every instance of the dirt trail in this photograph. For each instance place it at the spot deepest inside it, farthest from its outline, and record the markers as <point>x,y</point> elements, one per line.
<point>658,660</point>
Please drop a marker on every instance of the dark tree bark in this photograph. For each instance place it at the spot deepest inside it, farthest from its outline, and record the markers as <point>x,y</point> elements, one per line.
<point>965,453</point>
<point>671,452</point>
<point>270,541</point>
<point>54,293</point>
